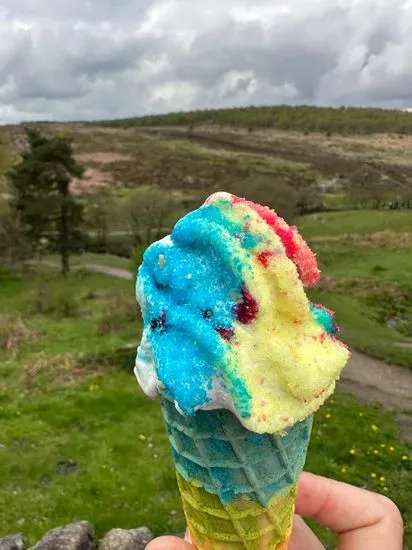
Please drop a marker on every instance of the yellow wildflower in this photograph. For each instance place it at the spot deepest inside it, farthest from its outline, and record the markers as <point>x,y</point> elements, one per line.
<point>373,475</point>
<point>405,457</point>
<point>375,452</point>
<point>391,449</point>
<point>385,489</point>
<point>344,470</point>
<point>374,427</point>
<point>332,401</point>
<point>360,414</point>
<point>328,416</point>
<point>352,452</point>
<point>383,445</point>
<point>142,437</point>
<point>382,478</point>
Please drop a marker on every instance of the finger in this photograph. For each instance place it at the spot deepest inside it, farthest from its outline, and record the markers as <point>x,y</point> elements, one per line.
<point>169,543</point>
<point>303,538</point>
<point>364,520</point>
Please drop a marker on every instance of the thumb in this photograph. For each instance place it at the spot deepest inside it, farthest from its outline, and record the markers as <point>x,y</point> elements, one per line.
<point>169,543</point>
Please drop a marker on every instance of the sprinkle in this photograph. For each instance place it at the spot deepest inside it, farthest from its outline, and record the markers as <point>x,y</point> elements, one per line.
<point>226,333</point>
<point>162,261</point>
<point>265,257</point>
<point>247,310</point>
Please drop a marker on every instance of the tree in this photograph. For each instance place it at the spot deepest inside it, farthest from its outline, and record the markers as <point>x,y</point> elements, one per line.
<point>99,216</point>
<point>14,247</point>
<point>150,214</point>
<point>40,185</point>
<point>288,197</point>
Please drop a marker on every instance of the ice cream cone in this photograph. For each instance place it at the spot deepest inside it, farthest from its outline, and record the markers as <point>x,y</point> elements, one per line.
<point>238,487</point>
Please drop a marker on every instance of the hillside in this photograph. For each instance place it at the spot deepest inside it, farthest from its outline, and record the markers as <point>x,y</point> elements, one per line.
<point>304,118</point>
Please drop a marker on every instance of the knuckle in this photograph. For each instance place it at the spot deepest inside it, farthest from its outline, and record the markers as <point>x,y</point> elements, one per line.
<point>391,512</point>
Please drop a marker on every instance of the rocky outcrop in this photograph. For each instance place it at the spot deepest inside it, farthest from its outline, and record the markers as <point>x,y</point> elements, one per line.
<point>75,536</point>
<point>81,536</point>
<point>122,539</point>
<point>15,542</point>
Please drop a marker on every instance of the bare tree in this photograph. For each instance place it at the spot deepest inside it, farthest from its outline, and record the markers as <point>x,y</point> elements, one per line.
<point>150,214</point>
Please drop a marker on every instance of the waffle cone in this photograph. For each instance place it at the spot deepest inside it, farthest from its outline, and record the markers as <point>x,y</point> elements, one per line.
<point>238,488</point>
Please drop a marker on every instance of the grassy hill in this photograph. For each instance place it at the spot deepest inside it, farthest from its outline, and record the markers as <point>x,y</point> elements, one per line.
<point>344,120</point>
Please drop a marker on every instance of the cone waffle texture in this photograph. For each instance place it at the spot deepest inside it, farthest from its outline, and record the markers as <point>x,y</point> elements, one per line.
<point>238,488</point>
<point>241,524</point>
<point>213,449</point>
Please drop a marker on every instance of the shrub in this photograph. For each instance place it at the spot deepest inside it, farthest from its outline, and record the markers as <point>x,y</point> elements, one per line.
<point>120,308</point>
<point>59,301</point>
<point>14,332</point>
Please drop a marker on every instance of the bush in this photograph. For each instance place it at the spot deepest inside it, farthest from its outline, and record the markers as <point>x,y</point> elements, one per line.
<point>59,301</point>
<point>286,199</point>
<point>120,309</point>
<point>14,332</point>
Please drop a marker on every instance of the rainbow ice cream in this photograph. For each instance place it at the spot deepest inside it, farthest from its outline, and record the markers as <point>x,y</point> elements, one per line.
<point>241,359</point>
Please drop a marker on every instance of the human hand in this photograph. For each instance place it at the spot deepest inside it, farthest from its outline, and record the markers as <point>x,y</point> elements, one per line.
<point>362,520</point>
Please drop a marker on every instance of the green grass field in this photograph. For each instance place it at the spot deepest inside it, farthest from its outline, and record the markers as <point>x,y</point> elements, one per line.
<point>365,259</point>
<point>79,440</point>
<point>359,222</point>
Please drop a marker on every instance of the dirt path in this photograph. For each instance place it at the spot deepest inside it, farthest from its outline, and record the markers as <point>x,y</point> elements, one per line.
<point>106,270</point>
<point>377,382</point>
<point>97,268</point>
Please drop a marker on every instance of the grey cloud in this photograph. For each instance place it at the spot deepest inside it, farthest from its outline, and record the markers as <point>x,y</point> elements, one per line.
<point>99,58</point>
<point>77,10</point>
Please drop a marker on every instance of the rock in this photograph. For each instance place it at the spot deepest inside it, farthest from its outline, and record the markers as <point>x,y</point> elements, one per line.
<point>14,542</point>
<point>392,323</point>
<point>122,539</point>
<point>75,536</point>
<point>66,467</point>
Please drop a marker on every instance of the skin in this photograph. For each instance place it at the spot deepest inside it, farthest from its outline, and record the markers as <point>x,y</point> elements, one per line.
<point>362,520</point>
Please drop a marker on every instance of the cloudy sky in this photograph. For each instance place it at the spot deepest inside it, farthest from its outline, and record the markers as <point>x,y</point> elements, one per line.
<point>88,59</point>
